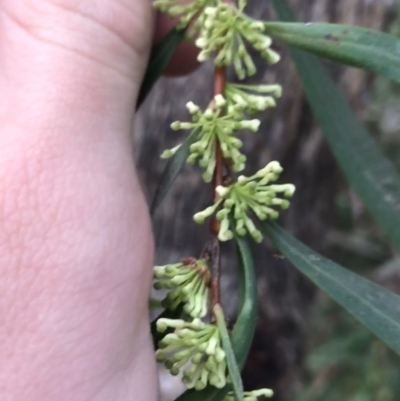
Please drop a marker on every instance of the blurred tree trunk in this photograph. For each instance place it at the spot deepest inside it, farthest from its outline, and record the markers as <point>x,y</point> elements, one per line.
<point>288,134</point>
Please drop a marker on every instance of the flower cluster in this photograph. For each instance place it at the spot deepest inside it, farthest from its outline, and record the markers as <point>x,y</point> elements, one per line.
<point>256,194</point>
<point>187,12</point>
<point>188,282</point>
<point>217,125</point>
<point>224,32</point>
<point>251,395</point>
<point>195,349</point>
<point>252,99</point>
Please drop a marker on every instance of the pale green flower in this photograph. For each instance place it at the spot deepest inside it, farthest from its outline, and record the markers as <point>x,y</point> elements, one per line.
<point>252,99</point>
<point>218,124</point>
<point>225,30</point>
<point>249,194</point>
<point>187,12</point>
<point>195,350</point>
<point>188,285</point>
<point>252,395</point>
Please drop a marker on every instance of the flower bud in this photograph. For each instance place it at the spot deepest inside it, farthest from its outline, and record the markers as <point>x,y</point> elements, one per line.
<point>222,191</point>
<point>265,392</point>
<point>219,355</point>
<point>208,114</point>
<point>220,101</point>
<point>257,25</point>
<point>192,159</point>
<point>192,108</point>
<point>207,177</point>
<point>225,235</point>
<point>199,218</point>
<point>201,43</point>
<point>203,56</point>
<point>271,56</point>
<point>222,214</point>
<point>210,11</point>
<point>176,125</point>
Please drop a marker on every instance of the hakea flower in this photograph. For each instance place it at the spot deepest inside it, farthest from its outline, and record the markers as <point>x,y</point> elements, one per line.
<point>256,194</point>
<point>188,285</point>
<point>187,12</point>
<point>224,32</point>
<point>218,124</point>
<point>251,395</point>
<point>195,350</point>
<point>252,99</point>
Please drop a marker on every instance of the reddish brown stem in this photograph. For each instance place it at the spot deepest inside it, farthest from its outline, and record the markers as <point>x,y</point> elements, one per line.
<point>219,81</point>
<point>219,89</point>
<point>211,253</point>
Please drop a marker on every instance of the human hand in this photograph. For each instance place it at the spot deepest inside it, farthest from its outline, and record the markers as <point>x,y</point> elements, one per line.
<point>77,250</point>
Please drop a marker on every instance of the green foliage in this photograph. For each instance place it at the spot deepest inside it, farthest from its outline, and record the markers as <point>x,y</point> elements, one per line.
<point>350,45</point>
<point>371,175</point>
<point>374,306</point>
<point>171,172</point>
<point>160,56</point>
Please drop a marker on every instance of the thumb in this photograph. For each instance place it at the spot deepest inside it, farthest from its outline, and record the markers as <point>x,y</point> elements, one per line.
<point>88,55</point>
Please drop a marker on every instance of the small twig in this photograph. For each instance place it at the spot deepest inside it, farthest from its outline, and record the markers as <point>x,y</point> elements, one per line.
<point>215,258</point>
<point>211,252</point>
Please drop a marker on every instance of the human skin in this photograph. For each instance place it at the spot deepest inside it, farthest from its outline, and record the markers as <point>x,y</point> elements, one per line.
<point>76,244</point>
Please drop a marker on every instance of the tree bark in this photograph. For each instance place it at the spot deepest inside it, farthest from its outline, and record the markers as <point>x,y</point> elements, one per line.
<point>288,134</point>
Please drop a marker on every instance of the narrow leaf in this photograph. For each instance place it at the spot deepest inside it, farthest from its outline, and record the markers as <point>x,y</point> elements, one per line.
<point>371,175</point>
<point>358,47</point>
<point>244,328</point>
<point>171,172</point>
<point>374,306</point>
<point>160,57</point>
<point>234,371</point>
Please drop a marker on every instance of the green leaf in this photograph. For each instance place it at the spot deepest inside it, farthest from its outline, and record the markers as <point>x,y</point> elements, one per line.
<point>154,304</point>
<point>371,175</point>
<point>171,172</point>
<point>358,47</point>
<point>245,326</point>
<point>234,371</point>
<point>374,306</point>
<point>160,57</point>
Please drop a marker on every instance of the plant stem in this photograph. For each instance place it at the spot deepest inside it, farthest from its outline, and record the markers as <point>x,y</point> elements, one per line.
<point>212,254</point>
<point>219,89</point>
